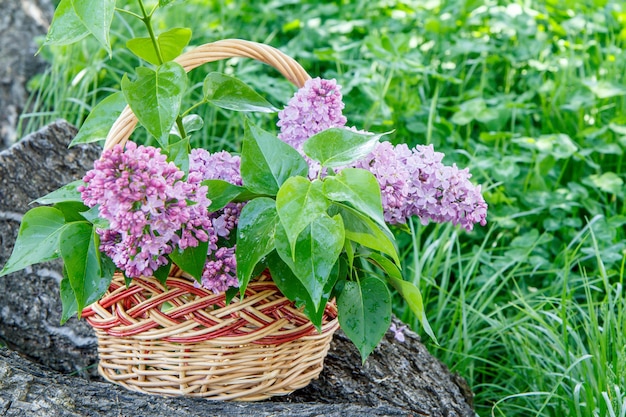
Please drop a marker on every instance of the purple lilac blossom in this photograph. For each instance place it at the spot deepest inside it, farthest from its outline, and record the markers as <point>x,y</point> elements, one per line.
<point>216,166</point>
<point>414,182</point>
<point>150,208</point>
<point>220,269</point>
<point>398,332</point>
<point>315,107</point>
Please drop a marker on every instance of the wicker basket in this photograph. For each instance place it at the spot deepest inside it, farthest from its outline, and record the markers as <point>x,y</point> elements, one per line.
<point>184,340</point>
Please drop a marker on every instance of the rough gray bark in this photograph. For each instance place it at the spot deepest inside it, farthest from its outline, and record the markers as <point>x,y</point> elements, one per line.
<point>29,302</point>
<point>21,21</point>
<point>29,390</point>
<point>397,379</point>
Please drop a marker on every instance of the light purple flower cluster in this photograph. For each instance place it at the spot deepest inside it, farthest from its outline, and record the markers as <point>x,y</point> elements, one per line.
<point>315,107</point>
<point>220,269</point>
<point>414,182</point>
<point>150,208</point>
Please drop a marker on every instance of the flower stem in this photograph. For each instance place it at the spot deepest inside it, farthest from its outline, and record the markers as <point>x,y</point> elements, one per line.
<point>147,20</point>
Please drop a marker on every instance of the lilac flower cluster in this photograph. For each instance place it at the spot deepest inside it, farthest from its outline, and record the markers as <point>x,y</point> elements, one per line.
<point>220,269</point>
<point>315,107</point>
<point>414,182</point>
<point>150,208</point>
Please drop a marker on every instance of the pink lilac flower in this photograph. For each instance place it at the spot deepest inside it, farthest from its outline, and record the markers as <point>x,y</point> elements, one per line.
<point>315,107</point>
<point>415,182</point>
<point>151,209</point>
<point>398,332</point>
<point>215,166</point>
<point>220,270</point>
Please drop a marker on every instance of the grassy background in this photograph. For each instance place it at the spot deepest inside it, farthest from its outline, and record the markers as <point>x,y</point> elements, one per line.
<point>530,95</point>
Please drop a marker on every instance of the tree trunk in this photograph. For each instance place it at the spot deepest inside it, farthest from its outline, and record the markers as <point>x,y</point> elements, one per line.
<point>21,21</point>
<point>398,379</point>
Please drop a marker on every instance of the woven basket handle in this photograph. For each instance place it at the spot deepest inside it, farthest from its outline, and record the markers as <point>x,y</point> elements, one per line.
<point>215,51</point>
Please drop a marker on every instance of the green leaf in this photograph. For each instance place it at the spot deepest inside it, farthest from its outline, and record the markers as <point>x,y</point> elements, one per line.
<point>192,123</point>
<point>413,298</point>
<point>359,188</point>
<point>79,248</point>
<point>362,230</point>
<point>155,97</point>
<point>37,240</point>
<point>163,273</point>
<point>192,259</point>
<point>364,313</point>
<point>96,16</point>
<point>221,193</point>
<point>609,182</point>
<point>97,125</point>
<point>93,216</point>
<point>66,27</point>
<point>299,202</point>
<point>292,288</point>
<point>68,192</point>
<point>178,153</point>
<point>233,94</point>
<point>165,2</point>
<point>171,45</point>
<point>605,89</point>
<point>316,252</point>
<point>267,162</point>
<point>255,237</point>
<point>72,210</point>
<point>68,299</point>
<point>339,146</point>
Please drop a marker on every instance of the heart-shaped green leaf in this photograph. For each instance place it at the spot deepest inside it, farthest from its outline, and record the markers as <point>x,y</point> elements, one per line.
<point>255,236</point>
<point>192,259</point>
<point>364,312</point>
<point>96,16</point>
<point>338,147</point>
<point>413,298</point>
<point>68,192</point>
<point>299,202</point>
<point>97,125</point>
<point>292,288</point>
<point>267,162</point>
<point>233,94</point>
<point>316,252</point>
<point>66,27</point>
<point>155,97</point>
<point>37,240</point>
<point>362,230</point>
<point>171,45</point>
<point>78,245</point>
<point>359,188</point>
<point>221,193</point>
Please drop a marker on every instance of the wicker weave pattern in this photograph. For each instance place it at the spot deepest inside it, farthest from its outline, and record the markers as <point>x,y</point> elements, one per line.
<point>183,340</point>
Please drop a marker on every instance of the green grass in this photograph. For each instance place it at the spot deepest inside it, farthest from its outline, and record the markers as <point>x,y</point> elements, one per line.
<point>530,95</point>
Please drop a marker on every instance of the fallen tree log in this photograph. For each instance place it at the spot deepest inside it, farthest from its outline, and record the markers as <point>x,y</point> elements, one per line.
<point>399,378</point>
